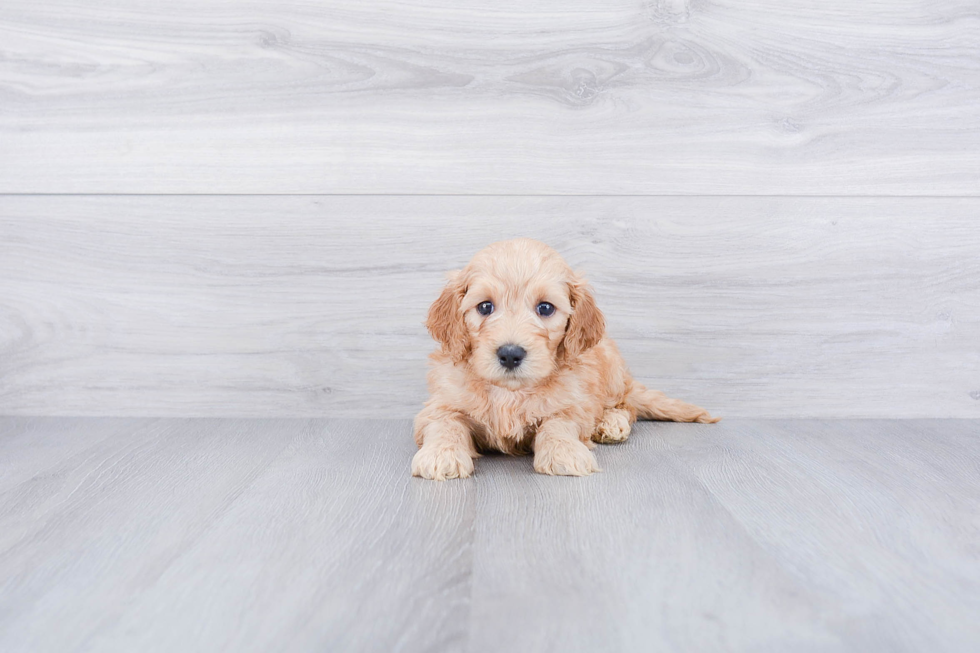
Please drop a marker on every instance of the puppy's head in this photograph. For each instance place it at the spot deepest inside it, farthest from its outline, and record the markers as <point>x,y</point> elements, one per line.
<point>514,313</point>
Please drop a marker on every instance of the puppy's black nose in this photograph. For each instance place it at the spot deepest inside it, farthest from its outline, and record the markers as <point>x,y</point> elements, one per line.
<point>510,356</point>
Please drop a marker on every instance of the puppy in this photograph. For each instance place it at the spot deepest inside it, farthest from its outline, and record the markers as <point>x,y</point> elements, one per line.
<point>525,366</point>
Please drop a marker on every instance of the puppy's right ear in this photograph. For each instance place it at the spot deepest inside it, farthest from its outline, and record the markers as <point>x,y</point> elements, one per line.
<point>445,321</point>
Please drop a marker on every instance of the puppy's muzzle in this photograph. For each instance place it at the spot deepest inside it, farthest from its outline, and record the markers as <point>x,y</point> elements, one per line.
<point>511,356</point>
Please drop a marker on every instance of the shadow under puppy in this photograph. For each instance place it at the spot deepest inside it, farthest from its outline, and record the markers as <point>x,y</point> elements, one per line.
<point>525,366</point>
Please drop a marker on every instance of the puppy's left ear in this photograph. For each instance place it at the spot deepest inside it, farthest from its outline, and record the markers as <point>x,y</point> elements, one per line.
<point>586,325</point>
<point>445,321</point>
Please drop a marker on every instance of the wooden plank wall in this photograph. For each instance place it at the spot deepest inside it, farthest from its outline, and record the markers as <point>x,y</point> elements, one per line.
<point>449,96</point>
<point>227,208</point>
<point>314,305</point>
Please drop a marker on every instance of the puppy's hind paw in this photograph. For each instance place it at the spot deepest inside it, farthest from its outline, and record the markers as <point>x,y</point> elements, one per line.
<point>613,427</point>
<point>438,463</point>
<point>565,458</point>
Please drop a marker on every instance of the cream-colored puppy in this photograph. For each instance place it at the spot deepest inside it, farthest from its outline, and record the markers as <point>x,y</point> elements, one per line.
<point>525,366</point>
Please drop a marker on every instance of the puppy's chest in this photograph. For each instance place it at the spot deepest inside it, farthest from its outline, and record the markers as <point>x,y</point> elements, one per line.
<point>508,419</point>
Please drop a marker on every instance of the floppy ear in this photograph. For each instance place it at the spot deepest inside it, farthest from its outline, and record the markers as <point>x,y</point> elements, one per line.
<point>586,325</point>
<point>445,321</point>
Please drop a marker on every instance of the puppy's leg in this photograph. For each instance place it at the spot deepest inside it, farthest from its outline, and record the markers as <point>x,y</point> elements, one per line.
<point>653,404</point>
<point>558,450</point>
<point>447,450</point>
<point>613,427</point>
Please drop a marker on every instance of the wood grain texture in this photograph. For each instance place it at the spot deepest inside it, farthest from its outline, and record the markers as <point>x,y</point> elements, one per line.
<point>761,536</point>
<point>32,446</point>
<point>440,96</point>
<point>211,535</point>
<point>305,306</point>
<point>310,535</point>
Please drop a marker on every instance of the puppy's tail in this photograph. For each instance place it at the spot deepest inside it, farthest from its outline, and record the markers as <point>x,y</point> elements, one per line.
<point>653,404</point>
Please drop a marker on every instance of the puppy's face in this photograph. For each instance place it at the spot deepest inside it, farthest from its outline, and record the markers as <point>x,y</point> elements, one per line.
<point>514,313</point>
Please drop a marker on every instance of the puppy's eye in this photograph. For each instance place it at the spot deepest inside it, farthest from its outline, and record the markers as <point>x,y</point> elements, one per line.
<point>545,309</point>
<point>484,308</point>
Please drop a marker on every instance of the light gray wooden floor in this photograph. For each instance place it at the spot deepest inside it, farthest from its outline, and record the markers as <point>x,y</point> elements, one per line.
<point>123,534</point>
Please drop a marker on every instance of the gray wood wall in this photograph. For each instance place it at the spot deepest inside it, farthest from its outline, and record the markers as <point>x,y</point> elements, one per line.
<point>225,208</point>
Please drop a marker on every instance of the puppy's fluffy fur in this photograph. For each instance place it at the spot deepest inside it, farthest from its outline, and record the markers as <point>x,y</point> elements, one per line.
<point>571,389</point>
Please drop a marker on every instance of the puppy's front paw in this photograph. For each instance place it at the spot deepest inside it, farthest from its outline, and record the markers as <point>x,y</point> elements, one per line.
<point>438,463</point>
<point>613,427</point>
<point>564,458</point>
